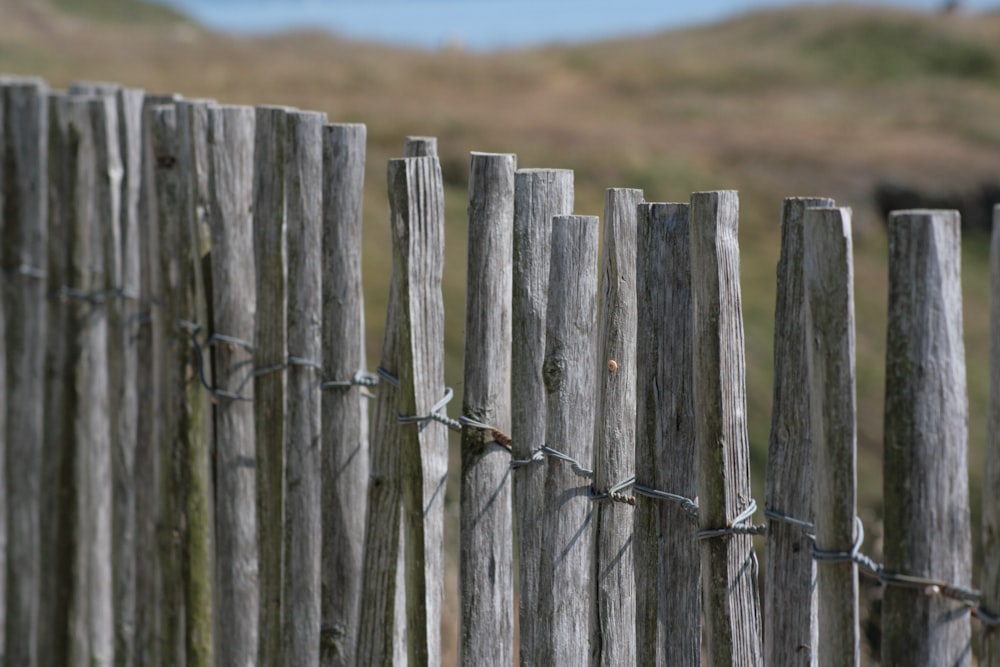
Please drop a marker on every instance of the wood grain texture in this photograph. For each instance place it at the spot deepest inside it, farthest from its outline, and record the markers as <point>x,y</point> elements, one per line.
<point>303,461</point>
<point>729,565</point>
<point>230,162</point>
<point>612,624</point>
<point>667,556</point>
<point>148,466</point>
<point>174,337</point>
<point>539,194</point>
<point>486,578</point>
<point>381,631</point>
<point>24,259</point>
<point>828,277</point>
<point>991,476</point>
<point>195,487</point>
<point>790,624</point>
<point>925,480</point>
<point>568,372</point>
<point>57,460</point>
<point>270,351</point>
<point>416,202</point>
<point>345,411</point>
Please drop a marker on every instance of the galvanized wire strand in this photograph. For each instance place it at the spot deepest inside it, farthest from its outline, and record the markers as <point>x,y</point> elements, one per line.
<point>30,271</point>
<point>434,414</point>
<point>578,469</point>
<point>687,504</point>
<point>95,297</point>
<point>738,526</point>
<point>499,436</point>
<point>537,456</point>
<point>615,493</point>
<point>775,515</point>
<point>360,379</point>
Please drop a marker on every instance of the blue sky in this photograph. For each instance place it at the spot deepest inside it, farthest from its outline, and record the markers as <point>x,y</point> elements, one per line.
<point>485,24</point>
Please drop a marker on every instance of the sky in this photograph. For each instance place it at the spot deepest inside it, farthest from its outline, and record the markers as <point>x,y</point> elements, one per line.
<point>484,25</point>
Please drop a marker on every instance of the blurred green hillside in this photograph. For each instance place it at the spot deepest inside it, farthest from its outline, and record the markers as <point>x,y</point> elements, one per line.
<point>822,101</point>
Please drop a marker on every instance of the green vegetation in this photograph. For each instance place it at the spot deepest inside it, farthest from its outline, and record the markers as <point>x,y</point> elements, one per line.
<point>121,11</point>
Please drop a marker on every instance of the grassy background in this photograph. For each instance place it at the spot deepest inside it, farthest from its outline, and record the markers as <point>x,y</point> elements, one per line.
<point>809,101</point>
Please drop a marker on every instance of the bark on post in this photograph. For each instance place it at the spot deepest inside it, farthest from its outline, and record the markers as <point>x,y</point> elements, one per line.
<point>345,412</point>
<point>667,557</point>
<point>991,476</point>
<point>926,414</point>
<point>568,372</point>
<point>613,583</point>
<point>729,565</point>
<point>302,524</point>
<point>270,351</point>
<point>790,629</point>
<point>539,194</point>
<point>24,256</point>
<point>417,212</point>
<point>486,560</point>
<point>828,279</point>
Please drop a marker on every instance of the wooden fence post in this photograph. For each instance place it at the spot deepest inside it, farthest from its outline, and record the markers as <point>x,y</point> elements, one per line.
<point>612,625</point>
<point>991,477</point>
<point>667,555</point>
<point>828,278</point>
<point>303,527</point>
<point>123,314</point>
<point>568,373</point>
<point>149,616</point>
<point>925,472</point>
<point>24,249</point>
<point>486,582</point>
<point>417,213</point>
<point>539,194</point>
<point>790,622</point>
<point>382,628</point>
<point>230,163</point>
<point>195,469</point>
<point>270,351</point>
<point>345,413</point>
<point>57,462</point>
<point>729,565</point>
<point>3,399</point>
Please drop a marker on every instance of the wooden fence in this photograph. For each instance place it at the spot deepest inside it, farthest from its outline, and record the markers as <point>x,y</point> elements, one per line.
<point>190,475</point>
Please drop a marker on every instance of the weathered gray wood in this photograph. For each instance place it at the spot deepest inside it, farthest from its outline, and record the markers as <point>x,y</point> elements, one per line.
<point>790,622</point>
<point>381,630</point>
<point>539,194</point>
<point>270,351</point>
<point>129,103</point>
<point>345,412</point>
<point>420,147</point>
<point>90,630</point>
<point>729,565</point>
<point>3,411</point>
<point>303,528</point>
<point>57,462</point>
<point>486,574</point>
<point>175,337</point>
<point>667,558</point>
<point>234,298</point>
<point>612,624</point>
<point>568,372</point>
<point>194,483</point>
<point>416,198</point>
<point>991,475</point>
<point>148,467</point>
<point>828,277</point>
<point>926,414</point>
<point>24,259</point>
